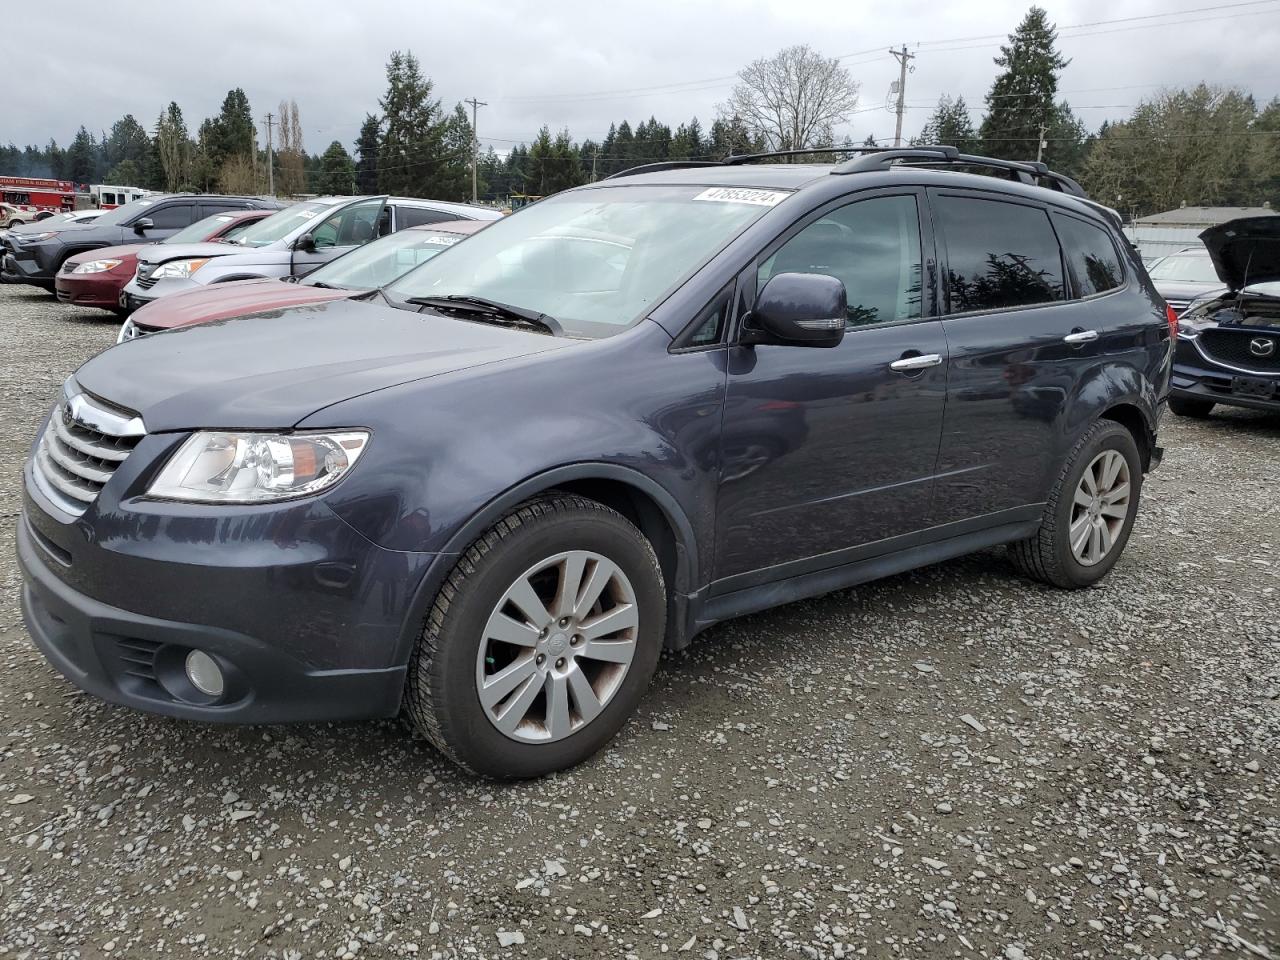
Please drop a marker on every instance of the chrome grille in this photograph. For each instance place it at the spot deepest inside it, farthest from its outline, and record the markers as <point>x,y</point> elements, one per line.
<point>83,444</point>
<point>144,275</point>
<point>1248,349</point>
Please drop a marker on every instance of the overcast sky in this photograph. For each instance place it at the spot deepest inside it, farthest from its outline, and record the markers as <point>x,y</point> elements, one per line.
<point>583,64</point>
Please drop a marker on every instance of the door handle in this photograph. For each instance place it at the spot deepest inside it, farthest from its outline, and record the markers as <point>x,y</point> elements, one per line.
<point>1080,336</point>
<point>916,363</point>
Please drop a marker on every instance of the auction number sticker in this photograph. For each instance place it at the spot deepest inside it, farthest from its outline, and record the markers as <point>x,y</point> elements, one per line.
<point>760,198</point>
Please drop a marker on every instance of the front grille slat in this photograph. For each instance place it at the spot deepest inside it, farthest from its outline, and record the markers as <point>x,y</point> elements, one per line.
<point>83,444</point>
<point>1232,347</point>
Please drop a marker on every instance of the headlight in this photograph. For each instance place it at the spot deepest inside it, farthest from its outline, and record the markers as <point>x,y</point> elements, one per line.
<point>179,268</point>
<point>97,266</point>
<point>223,467</point>
<point>1189,327</point>
<point>31,237</point>
<point>128,331</point>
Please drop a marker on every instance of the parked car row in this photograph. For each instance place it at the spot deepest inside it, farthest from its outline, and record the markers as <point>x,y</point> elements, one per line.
<point>159,246</point>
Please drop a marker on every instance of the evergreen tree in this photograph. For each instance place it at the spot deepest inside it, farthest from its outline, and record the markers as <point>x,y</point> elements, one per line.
<point>337,175</point>
<point>174,148</point>
<point>232,132</point>
<point>411,156</point>
<point>949,125</point>
<point>82,157</point>
<point>687,142</point>
<point>452,179</point>
<point>127,143</point>
<point>1024,96</point>
<point>367,146</point>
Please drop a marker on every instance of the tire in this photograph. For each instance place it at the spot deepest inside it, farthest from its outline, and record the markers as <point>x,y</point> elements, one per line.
<point>1191,407</point>
<point>15,223</point>
<point>455,655</point>
<point>1048,555</point>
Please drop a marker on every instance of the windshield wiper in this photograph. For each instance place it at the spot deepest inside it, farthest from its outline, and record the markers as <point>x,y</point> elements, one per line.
<point>491,311</point>
<point>323,286</point>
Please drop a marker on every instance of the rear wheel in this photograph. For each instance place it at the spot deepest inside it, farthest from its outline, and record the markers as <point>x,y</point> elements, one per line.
<point>1090,512</point>
<point>541,642</point>
<point>1191,407</point>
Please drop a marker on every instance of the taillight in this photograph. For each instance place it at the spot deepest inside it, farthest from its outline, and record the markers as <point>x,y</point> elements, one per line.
<point>1172,316</point>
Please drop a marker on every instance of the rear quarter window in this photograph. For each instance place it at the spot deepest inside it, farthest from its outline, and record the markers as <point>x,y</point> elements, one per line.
<point>999,254</point>
<point>1091,255</point>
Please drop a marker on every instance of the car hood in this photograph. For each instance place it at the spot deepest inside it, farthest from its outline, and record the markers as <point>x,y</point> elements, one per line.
<point>1245,251</point>
<point>220,301</point>
<point>1185,290</point>
<point>274,369</point>
<point>104,253</point>
<point>164,252</point>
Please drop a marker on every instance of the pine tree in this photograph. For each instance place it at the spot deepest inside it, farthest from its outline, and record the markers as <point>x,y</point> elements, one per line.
<point>412,149</point>
<point>232,132</point>
<point>367,146</point>
<point>949,125</point>
<point>127,143</point>
<point>1024,96</point>
<point>452,180</point>
<point>337,174</point>
<point>81,159</point>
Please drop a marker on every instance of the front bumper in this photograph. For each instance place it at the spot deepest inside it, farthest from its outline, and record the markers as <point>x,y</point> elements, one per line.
<point>90,289</point>
<point>23,264</point>
<point>1195,377</point>
<point>306,618</point>
<point>135,295</point>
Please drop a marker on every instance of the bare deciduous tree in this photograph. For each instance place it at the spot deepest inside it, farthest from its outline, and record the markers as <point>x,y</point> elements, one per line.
<point>291,156</point>
<point>793,99</point>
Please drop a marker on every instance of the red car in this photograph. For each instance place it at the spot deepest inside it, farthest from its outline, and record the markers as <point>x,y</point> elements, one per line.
<point>363,269</point>
<point>96,277</point>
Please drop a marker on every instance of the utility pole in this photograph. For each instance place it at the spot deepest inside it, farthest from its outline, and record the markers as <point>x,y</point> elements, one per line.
<point>1040,145</point>
<point>271,172</point>
<point>475,144</point>
<point>904,59</point>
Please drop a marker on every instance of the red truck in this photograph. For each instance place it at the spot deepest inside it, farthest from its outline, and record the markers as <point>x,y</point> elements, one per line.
<point>28,199</point>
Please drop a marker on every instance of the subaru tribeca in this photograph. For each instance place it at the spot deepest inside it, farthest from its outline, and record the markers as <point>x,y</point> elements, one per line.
<point>491,493</point>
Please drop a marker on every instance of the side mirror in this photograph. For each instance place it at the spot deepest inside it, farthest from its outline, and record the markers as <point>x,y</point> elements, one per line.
<point>143,225</point>
<point>798,309</point>
<point>306,243</point>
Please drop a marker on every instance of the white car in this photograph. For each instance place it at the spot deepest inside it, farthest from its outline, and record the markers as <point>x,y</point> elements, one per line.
<point>290,243</point>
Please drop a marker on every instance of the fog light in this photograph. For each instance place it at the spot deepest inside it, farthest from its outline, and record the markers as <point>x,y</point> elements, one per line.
<point>204,673</point>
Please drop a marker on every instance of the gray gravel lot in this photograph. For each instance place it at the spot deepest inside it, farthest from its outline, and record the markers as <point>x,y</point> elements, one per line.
<point>950,763</point>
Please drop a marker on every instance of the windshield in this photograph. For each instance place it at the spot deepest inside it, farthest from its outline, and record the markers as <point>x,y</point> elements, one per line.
<point>596,260</point>
<point>201,230</point>
<point>1188,268</point>
<point>377,264</point>
<point>280,225</point>
<point>123,214</point>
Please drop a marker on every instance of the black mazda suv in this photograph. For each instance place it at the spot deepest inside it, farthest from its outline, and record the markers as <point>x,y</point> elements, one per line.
<point>1228,349</point>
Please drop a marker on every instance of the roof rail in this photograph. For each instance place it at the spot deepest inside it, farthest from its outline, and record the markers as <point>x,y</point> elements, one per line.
<point>663,165</point>
<point>1025,171</point>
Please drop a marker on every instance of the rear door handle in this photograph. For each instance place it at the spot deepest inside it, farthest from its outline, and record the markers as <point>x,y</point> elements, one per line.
<point>1081,336</point>
<point>917,363</point>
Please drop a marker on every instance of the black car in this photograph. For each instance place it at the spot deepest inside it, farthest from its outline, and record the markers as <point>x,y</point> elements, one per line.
<point>36,257</point>
<point>1228,348</point>
<point>493,491</point>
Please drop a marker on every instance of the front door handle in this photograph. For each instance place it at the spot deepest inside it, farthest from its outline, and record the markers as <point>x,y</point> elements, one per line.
<point>916,363</point>
<point>1080,336</point>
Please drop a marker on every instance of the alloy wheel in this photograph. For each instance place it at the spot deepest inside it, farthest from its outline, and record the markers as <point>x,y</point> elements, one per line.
<point>557,646</point>
<point>1099,508</point>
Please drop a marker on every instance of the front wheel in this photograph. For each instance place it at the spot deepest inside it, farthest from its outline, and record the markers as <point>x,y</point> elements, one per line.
<point>1191,407</point>
<point>1090,512</point>
<point>541,642</point>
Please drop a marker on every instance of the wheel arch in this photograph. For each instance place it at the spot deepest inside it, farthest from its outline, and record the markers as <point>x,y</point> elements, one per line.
<point>639,498</point>
<point>1131,417</point>
<point>1122,393</point>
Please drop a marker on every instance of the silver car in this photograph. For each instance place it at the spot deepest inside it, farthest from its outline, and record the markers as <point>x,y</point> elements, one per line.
<point>290,243</point>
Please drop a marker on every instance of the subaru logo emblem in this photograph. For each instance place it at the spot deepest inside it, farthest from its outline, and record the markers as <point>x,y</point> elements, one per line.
<point>1262,346</point>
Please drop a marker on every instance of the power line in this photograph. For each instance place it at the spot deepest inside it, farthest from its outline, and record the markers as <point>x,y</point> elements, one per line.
<point>904,62</point>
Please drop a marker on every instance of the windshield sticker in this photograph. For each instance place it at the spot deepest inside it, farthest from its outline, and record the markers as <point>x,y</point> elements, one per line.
<point>443,241</point>
<point>760,198</point>
<point>306,214</point>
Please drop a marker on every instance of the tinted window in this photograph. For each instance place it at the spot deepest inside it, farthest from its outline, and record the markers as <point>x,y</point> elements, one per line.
<point>417,216</point>
<point>350,227</point>
<point>1091,255</point>
<point>999,254</point>
<point>709,326</point>
<point>872,246</point>
<point>173,216</point>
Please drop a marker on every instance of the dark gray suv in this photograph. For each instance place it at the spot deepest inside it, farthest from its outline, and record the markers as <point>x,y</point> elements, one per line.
<point>491,493</point>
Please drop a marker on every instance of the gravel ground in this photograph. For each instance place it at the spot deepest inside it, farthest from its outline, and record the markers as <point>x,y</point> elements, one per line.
<point>950,763</point>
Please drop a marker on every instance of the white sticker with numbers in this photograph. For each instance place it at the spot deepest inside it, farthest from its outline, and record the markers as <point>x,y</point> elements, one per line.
<point>760,198</point>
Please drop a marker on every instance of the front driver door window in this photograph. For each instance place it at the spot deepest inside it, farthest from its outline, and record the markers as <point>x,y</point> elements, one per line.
<point>829,454</point>
<point>351,226</point>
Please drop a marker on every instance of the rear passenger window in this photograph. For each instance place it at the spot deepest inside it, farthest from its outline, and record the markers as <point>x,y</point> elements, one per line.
<point>873,247</point>
<point>174,216</point>
<point>1091,254</point>
<point>999,255</point>
<point>417,216</point>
